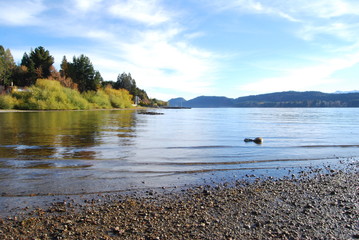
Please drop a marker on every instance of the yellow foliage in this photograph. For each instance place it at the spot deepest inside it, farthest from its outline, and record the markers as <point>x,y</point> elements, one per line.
<point>50,94</point>
<point>119,98</point>
<point>7,102</point>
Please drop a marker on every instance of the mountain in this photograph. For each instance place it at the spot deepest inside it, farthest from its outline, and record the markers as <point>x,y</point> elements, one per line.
<point>202,102</point>
<point>177,102</point>
<point>354,91</point>
<point>279,99</point>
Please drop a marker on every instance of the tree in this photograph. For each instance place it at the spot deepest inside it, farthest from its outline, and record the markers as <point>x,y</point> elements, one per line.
<point>64,81</point>
<point>125,81</point>
<point>38,64</point>
<point>82,72</point>
<point>21,76</point>
<point>42,61</point>
<point>7,66</point>
<point>64,71</point>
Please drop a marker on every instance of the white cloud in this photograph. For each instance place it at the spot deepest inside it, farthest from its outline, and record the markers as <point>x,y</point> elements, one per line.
<point>254,6</point>
<point>342,30</point>
<point>319,76</point>
<point>86,5</point>
<point>159,62</point>
<point>292,9</point>
<point>330,17</point>
<point>158,57</point>
<point>21,13</point>
<point>325,8</point>
<point>148,12</point>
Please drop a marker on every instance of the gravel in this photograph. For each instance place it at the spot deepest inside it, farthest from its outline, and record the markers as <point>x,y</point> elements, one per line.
<point>315,205</point>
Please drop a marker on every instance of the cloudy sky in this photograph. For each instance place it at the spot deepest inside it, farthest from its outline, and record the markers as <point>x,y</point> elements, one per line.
<point>188,48</point>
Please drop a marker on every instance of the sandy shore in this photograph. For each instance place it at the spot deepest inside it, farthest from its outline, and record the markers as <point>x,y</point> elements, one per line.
<point>323,205</point>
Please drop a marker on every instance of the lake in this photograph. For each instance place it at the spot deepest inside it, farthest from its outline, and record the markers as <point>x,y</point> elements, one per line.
<point>79,152</point>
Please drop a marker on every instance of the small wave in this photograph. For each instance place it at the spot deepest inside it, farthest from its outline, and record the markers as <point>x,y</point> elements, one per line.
<point>329,146</point>
<point>232,162</point>
<point>202,147</point>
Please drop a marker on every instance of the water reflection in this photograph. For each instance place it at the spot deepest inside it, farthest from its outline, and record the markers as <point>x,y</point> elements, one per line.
<point>62,134</point>
<point>75,152</point>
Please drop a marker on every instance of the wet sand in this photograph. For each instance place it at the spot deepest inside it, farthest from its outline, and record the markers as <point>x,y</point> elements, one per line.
<point>319,204</point>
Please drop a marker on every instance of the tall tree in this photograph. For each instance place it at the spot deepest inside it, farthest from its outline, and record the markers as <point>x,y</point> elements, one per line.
<point>64,71</point>
<point>7,66</point>
<point>42,60</point>
<point>38,64</point>
<point>125,81</point>
<point>82,72</point>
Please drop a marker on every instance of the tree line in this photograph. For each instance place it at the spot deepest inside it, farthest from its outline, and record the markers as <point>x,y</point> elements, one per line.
<point>78,74</point>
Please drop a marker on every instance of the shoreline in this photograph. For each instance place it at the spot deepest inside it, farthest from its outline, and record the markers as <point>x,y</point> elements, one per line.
<point>316,205</point>
<point>78,110</point>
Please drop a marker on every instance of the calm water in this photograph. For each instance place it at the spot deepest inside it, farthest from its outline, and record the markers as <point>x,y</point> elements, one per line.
<point>75,152</point>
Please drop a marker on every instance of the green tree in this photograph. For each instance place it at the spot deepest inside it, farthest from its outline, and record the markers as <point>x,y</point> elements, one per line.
<point>125,81</point>
<point>144,97</point>
<point>42,61</point>
<point>64,71</point>
<point>37,64</point>
<point>7,66</point>
<point>82,72</point>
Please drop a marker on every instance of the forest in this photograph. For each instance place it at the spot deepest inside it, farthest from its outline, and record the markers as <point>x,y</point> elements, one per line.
<point>35,83</point>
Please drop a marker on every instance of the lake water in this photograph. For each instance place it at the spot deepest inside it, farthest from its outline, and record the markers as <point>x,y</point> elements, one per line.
<point>77,152</point>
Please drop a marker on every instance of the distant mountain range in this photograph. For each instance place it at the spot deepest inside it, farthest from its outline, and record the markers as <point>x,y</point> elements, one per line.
<point>278,99</point>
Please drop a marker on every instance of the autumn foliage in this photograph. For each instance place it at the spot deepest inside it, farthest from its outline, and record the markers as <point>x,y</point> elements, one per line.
<point>51,95</point>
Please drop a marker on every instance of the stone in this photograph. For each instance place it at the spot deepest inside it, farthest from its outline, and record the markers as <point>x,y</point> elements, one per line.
<point>257,140</point>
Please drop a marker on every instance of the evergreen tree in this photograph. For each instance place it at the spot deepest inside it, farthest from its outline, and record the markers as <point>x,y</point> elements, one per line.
<point>7,66</point>
<point>42,60</point>
<point>64,71</point>
<point>125,81</point>
<point>82,72</point>
<point>37,65</point>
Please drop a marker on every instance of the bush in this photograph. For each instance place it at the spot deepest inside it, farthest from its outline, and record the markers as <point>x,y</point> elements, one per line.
<point>120,98</point>
<point>76,99</point>
<point>7,102</point>
<point>97,99</point>
<point>49,94</point>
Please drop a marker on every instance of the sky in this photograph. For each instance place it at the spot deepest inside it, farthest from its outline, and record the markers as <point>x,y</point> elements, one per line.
<point>190,48</point>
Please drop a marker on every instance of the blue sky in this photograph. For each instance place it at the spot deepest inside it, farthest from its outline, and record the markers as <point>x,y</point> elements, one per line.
<point>188,48</point>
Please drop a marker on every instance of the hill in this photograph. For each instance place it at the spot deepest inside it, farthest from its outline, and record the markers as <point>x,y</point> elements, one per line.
<point>279,99</point>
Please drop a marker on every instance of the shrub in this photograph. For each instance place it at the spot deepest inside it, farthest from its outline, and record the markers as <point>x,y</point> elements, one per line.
<point>7,102</point>
<point>77,101</point>
<point>120,98</point>
<point>50,94</point>
<point>98,99</point>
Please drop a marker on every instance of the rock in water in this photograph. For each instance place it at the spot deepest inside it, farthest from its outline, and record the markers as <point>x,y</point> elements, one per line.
<point>257,140</point>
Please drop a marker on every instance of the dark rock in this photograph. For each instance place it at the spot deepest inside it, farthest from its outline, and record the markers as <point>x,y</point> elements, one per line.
<point>257,140</point>
<point>150,113</point>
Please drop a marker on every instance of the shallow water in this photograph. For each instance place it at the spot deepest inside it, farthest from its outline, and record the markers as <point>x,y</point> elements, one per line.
<point>80,152</point>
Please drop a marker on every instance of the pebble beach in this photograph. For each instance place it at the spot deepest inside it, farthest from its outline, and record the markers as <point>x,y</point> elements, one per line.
<point>315,205</point>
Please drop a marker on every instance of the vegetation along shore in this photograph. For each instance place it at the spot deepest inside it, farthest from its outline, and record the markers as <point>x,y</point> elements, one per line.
<point>35,84</point>
<point>318,204</point>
